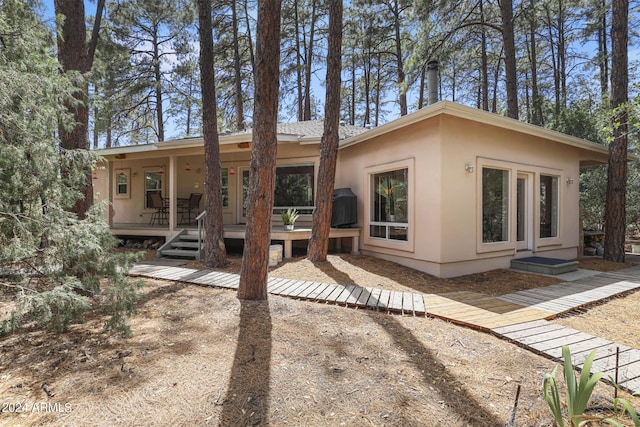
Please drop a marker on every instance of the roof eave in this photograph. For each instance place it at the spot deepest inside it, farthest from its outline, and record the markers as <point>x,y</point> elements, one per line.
<point>470,113</point>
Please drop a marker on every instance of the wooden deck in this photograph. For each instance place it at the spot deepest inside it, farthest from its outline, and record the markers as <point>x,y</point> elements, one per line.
<point>521,317</point>
<point>238,231</point>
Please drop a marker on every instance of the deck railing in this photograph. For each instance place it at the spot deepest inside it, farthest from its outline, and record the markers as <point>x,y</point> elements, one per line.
<point>200,219</point>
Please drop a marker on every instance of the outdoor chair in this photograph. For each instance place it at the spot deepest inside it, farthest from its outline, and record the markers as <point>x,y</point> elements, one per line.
<point>161,215</point>
<point>190,209</point>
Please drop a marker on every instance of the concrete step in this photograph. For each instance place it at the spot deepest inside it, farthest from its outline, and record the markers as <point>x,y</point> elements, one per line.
<point>542,265</point>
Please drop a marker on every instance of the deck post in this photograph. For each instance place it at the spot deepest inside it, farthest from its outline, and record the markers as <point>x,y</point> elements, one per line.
<point>173,192</point>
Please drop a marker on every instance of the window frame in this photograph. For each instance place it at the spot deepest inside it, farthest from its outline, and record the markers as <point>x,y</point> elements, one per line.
<point>224,187</point>
<point>513,169</point>
<point>119,173</point>
<point>534,172</point>
<point>242,191</point>
<point>147,190</point>
<point>407,245</point>
<point>505,204</point>
<point>302,209</point>
<point>555,209</point>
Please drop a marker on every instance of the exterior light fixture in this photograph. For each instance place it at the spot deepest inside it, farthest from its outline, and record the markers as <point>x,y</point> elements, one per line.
<point>468,167</point>
<point>188,167</point>
<point>569,180</point>
<point>232,171</point>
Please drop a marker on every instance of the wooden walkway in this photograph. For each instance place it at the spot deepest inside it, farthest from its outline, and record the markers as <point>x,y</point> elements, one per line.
<point>521,317</point>
<point>547,338</point>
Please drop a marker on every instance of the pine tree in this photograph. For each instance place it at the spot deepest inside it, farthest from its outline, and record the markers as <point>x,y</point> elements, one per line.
<point>52,262</point>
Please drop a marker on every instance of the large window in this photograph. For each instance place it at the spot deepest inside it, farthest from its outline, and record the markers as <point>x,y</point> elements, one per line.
<point>548,206</point>
<point>389,207</point>
<point>294,188</point>
<point>152,184</point>
<point>495,205</point>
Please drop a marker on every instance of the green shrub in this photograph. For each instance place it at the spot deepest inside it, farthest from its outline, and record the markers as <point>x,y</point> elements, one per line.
<point>578,393</point>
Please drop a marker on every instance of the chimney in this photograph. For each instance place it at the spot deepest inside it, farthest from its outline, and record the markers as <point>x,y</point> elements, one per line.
<point>432,81</point>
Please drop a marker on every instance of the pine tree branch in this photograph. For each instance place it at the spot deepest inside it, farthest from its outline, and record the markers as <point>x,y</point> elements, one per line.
<point>22,288</point>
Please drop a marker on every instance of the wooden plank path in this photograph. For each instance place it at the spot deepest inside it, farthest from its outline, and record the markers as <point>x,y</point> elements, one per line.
<point>521,317</point>
<point>472,309</point>
<point>563,297</point>
<point>547,338</point>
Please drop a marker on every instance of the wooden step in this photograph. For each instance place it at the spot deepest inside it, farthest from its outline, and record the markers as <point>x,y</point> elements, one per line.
<point>179,253</point>
<point>182,244</point>
<point>189,237</point>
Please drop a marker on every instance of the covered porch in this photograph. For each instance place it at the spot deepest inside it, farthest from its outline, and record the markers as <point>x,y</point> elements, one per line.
<point>176,171</point>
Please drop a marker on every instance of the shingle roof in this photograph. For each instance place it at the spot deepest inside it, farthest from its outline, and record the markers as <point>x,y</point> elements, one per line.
<point>309,129</point>
<point>315,128</point>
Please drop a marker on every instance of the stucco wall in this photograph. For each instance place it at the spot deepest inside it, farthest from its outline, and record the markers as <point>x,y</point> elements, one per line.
<point>419,145</point>
<point>131,210</point>
<point>446,220</point>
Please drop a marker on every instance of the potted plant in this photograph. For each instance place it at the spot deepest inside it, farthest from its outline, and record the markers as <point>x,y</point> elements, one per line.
<point>289,218</point>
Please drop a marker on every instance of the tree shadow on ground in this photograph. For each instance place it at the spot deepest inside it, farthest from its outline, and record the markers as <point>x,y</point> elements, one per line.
<point>486,283</point>
<point>451,389</point>
<point>247,397</point>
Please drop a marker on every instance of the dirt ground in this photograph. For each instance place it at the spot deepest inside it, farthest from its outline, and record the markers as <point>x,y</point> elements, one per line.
<point>199,356</point>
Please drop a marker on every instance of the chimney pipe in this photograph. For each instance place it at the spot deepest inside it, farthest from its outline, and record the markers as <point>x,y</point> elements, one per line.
<point>432,81</point>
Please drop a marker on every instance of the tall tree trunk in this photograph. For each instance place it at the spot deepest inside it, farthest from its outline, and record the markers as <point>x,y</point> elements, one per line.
<point>603,54</point>
<point>378,96</point>
<point>484,69</point>
<point>157,72</point>
<point>75,55</point>
<point>249,36</point>
<point>367,90</point>
<point>309,62</point>
<point>96,134</point>
<point>615,216</point>
<point>536,100</point>
<point>240,125</point>
<point>554,62</point>
<point>399,59</point>
<point>319,243</point>
<point>508,38</point>
<point>352,102</point>
<point>423,78</point>
<point>215,253</point>
<point>562,55</point>
<point>296,23</point>
<point>262,168</point>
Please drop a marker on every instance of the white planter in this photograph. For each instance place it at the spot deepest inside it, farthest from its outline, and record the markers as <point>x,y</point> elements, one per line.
<point>288,227</point>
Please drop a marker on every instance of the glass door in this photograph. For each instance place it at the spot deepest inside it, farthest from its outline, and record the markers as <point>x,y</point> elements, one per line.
<point>243,188</point>
<point>524,214</point>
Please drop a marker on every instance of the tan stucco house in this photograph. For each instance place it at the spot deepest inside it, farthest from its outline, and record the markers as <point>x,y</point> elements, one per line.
<point>448,190</point>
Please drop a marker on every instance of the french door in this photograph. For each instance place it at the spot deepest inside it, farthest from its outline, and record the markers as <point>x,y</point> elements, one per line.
<point>524,212</point>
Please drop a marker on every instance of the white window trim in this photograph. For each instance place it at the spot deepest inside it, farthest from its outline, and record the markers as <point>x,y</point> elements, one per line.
<point>401,245</point>
<point>509,245</point>
<point>535,172</point>
<point>153,169</point>
<point>555,240</point>
<point>117,172</point>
